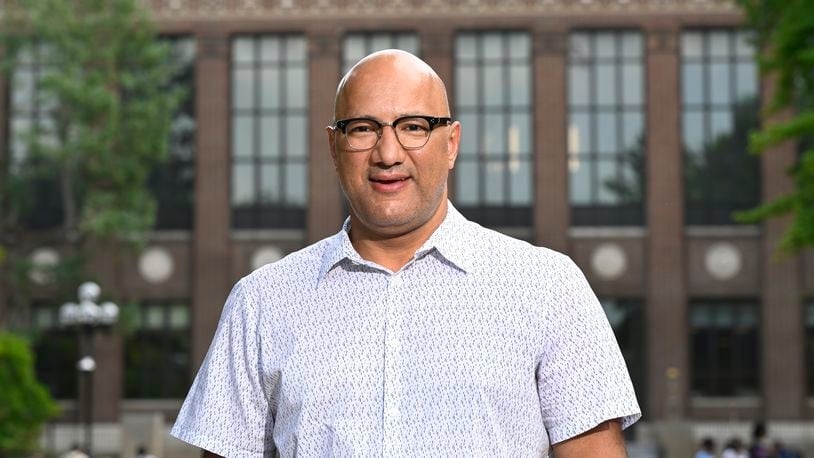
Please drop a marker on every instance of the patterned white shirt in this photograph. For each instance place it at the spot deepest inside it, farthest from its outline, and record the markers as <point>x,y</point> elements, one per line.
<point>481,345</point>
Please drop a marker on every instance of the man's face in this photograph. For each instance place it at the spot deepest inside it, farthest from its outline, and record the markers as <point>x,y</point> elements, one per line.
<point>392,190</point>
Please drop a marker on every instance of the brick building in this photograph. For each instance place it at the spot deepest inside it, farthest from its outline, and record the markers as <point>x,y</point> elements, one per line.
<point>612,130</point>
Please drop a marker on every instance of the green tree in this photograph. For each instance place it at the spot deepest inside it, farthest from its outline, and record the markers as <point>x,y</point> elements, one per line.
<point>77,179</point>
<point>785,35</point>
<point>24,404</point>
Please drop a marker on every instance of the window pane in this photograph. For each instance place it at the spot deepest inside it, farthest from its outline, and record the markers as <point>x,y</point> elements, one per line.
<point>469,134</point>
<point>579,180</point>
<point>608,182</point>
<point>720,125</point>
<point>492,46</point>
<point>270,184</point>
<point>743,45</point>
<point>270,136</point>
<point>466,182</point>
<point>578,85</point>
<point>154,317</point>
<point>270,50</point>
<point>466,46</point>
<point>519,87</point>
<point>495,187</point>
<point>519,46</point>
<point>520,181</point>
<point>720,89</point>
<point>632,44</point>
<point>606,128</point>
<point>354,48</point>
<point>242,185</point>
<point>494,135</point>
<point>243,50</point>
<point>633,131</point>
<point>296,87</point>
<point>295,179</point>
<point>632,86</point>
<point>243,136</point>
<point>693,131</point>
<point>718,43</point>
<point>579,134</point>
<point>23,85</point>
<point>295,51</point>
<point>270,88</point>
<point>605,45</point>
<point>243,88</point>
<point>295,135</point>
<point>692,44</point>
<point>746,75</point>
<point>519,134</point>
<point>179,317</point>
<point>605,84</point>
<point>692,84</point>
<point>493,85</point>
<point>408,42</point>
<point>466,89</point>
<point>579,47</point>
<point>380,41</point>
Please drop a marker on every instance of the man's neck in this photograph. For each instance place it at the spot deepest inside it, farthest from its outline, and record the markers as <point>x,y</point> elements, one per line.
<point>394,251</point>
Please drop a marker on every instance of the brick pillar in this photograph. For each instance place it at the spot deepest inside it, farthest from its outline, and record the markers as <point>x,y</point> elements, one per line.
<point>551,207</point>
<point>211,254</point>
<point>324,193</point>
<point>782,360</point>
<point>666,315</point>
<point>108,378</point>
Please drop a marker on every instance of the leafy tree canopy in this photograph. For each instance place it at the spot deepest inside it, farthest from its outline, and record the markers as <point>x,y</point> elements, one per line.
<point>785,34</point>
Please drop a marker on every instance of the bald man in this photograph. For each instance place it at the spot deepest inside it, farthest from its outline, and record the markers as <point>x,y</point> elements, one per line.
<point>412,331</point>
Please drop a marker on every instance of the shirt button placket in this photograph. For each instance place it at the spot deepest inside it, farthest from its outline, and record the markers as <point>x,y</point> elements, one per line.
<point>392,382</point>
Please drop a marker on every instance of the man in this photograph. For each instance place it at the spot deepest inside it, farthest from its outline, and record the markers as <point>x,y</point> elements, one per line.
<point>411,332</point>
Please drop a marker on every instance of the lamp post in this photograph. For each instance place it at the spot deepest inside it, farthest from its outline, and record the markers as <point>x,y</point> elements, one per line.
<point>87,317</point>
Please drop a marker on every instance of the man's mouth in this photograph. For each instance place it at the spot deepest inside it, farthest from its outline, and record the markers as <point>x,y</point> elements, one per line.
<point>388,184</point>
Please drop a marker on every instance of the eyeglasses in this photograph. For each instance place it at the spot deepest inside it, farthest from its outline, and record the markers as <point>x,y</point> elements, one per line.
<point>412,132</point>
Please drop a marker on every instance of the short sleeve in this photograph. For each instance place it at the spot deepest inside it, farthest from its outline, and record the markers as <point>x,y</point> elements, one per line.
<point>227,411</point>
<point>582,379</point>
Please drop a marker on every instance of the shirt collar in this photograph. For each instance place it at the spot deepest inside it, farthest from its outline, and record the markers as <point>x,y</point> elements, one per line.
<point>449,240</point>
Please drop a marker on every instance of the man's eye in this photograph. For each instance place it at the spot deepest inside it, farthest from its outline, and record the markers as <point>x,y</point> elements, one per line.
<point>413,127</point>
<point>360,129</point>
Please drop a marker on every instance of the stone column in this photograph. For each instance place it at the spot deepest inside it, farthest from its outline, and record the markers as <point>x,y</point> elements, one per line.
<point>211,252</point>
<point>551,208</point>
<point>324,192</point>
<point>782,368</point>
<point>666,315</point>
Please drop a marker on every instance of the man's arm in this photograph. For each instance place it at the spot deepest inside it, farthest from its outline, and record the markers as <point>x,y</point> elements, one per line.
<point>603,441</point>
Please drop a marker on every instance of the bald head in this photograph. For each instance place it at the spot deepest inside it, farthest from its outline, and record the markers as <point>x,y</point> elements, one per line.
<point>385,71</point>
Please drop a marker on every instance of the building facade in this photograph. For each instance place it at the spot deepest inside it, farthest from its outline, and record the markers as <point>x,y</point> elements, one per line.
<point>612,130</point>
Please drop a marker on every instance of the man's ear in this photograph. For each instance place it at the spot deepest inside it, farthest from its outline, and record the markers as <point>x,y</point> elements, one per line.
<point>332,144</point>
<point>453,143</point>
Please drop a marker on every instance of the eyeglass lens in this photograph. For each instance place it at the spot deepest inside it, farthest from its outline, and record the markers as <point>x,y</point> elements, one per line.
<point>410,132</point>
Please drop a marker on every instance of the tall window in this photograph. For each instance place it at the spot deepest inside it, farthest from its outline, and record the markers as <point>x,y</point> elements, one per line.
<point>32,113</point>
<point>725,348</point>
<point>627,320</point>
<point>157,352</point>
<point>56,351</point>
<point>493,182</point>
<point>720,105</point>
<point>269,131</point>
<point>359,45</point>
<point>606,128</point>
<point>173,182</point>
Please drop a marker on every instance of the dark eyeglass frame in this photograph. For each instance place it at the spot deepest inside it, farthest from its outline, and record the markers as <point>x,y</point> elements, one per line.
<point>433,121</point>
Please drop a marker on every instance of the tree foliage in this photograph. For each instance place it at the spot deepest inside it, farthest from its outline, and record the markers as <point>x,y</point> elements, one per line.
<point>79,174</point>
<point>24,404</point>
<point>785,35</point>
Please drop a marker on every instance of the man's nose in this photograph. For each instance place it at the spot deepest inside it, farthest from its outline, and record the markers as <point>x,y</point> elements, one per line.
<point>388,151</point>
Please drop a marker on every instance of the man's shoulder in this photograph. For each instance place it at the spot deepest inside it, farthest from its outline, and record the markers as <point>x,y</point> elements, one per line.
<point>299,265</point>
<point>503,248</point>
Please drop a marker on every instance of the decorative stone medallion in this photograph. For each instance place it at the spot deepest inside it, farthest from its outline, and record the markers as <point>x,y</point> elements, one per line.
<point>609,261</point>
<point>265,255</point>
<point>156,265</point>
<point>43,259</point>
<point>723,261</point>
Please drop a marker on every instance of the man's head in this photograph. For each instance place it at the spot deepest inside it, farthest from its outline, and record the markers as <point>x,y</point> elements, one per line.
<point>395,186</point>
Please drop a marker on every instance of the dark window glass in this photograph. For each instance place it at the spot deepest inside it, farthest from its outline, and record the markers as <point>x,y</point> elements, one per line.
<point>720,105</point>
<point>359,45</point>
<point>157,352</point>
<point>32,113</point>
<point>725,353</point>
<point>269,131</point>
<point>627,320</point>
<point>173,182</point>
<point>493,103</point>
<point>56,352</point>
<point>606,128</point>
